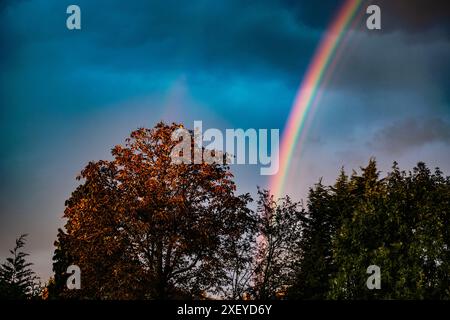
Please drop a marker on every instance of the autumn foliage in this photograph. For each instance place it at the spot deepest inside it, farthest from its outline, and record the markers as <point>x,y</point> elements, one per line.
<point>141,227</point>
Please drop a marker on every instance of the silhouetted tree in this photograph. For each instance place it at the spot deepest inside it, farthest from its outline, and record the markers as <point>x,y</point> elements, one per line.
<point>239,262</point>
<point>276,255</point>
<point>318,227</point>
<point>17,279</point>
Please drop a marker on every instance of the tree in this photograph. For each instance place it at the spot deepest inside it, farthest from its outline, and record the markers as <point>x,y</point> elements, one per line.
<point>276,255</point>
<point>399,223</point>
<point>318,228</point>
<point>240,262</point>
<point>17,280</point>
<point>140,226</point>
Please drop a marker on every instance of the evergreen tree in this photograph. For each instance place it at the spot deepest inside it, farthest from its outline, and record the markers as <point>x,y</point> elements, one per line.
<point>17,280</point>
<point>399,223</point>
<point>315,266</point>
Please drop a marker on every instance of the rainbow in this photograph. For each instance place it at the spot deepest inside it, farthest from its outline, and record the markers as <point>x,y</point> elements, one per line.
<point>307,97</point>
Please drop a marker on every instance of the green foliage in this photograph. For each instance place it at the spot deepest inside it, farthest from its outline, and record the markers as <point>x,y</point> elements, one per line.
<point>399,223</point>
<point>315,263</point>
<point>17,280</point>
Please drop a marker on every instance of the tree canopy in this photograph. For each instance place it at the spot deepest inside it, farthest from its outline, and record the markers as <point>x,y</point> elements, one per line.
<point>141,227</point>
<point>399,223</point>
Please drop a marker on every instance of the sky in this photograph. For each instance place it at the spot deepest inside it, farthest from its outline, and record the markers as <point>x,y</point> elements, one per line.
<point>68,96</point>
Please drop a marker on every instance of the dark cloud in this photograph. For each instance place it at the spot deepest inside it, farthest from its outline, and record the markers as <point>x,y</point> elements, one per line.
<point>221,36</point>
<point>388,62</point>
<point>414,15</point>
<point>312,13</point>
<point>407,134</point>
<point>254,37</point>
<point>397,15</point>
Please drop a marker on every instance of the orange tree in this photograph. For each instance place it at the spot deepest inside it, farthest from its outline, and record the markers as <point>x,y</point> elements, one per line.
<point>141,227</point>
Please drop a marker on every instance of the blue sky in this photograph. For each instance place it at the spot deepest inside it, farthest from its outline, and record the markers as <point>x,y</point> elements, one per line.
<point>67,97</point>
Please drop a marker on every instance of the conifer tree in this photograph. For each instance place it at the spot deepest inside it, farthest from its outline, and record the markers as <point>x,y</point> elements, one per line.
<point>17,279</point>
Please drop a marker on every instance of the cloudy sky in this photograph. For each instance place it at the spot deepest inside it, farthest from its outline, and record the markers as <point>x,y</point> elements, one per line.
<point>67,97</point>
